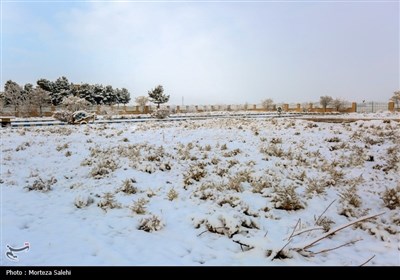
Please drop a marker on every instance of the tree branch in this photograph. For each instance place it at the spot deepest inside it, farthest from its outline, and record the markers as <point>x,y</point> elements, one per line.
<point>337,247</point>
<point>326,209</point>
<point>364,263</point>
<point>316,240</point>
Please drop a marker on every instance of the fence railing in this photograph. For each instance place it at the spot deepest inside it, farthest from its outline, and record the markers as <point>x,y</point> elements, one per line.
<point>371,107</point>
<point>348,107</point>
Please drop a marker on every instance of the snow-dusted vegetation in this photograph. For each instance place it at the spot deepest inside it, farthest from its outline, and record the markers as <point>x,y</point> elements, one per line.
<point>213,192</point>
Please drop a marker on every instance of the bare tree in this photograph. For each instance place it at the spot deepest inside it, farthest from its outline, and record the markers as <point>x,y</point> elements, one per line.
<point>40,98</point>
<point>141,101</point>
<point>267,104</point>
<point>325,101</point>
<point>396,98</point>
<point>338,104</point>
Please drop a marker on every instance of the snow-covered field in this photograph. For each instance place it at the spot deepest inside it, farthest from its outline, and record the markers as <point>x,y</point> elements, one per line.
<point>212,192</point>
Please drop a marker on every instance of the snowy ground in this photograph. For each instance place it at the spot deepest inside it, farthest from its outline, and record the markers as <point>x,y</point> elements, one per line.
<point>212,192</point>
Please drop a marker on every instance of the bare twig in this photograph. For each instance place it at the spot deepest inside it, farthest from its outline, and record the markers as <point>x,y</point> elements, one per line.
<point>316,240</point>
<point>294,229</point>
<point>337,247</point>
<point>242,244</point>
<point>364,263</point>
<point>326,209</point>
<point>209,230</point>
<point>307,230</point>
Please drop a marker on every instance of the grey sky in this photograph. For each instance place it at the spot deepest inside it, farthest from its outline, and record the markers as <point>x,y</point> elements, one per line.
<point>210,53</point>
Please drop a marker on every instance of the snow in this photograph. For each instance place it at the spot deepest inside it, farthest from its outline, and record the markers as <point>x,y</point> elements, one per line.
<point>227,193</point>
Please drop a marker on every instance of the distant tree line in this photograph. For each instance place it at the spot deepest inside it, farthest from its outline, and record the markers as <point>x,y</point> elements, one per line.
<point>48,92</point>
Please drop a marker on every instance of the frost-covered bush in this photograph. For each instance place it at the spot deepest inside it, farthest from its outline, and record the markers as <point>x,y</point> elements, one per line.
<point>108,202</point>
<point>139,206</point>
<point>325,223</point>
<point>315,186</point>
<point>350,203</point>
<point>64,116</point>
<point>42,185</point>
<point>172,194</point>
<point>286,198</point>
<point>161,113</point>
<point>150,224</point>
<point>195,173</point>
<point>258,185</point>
<point>128,186</point>
<point>391,197</point>
<point>82,201</point>
<point>103,168</point>
<point>224,223</point>
<point>74,103</point>
<point>235,182</point>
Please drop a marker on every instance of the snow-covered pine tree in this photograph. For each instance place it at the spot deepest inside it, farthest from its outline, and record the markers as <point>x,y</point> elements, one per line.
<point>157,96</point>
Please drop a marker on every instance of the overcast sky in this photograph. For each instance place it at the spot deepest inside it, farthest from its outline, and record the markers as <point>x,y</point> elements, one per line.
<point>209,53</point>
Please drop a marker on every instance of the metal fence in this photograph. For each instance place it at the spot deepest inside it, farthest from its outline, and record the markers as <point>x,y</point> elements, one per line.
<point>371,107</point>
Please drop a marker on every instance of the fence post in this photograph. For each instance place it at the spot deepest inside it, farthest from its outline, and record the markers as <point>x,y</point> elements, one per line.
<point>391,106</point>
<point>353,107</point>
<point>285,107</point>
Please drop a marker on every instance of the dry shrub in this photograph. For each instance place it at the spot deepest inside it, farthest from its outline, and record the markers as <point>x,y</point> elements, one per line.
<point>258,185</point>
<point>286,198</point>
<point>325,223</point>
<point>391,197</point>
<point>233,201</point>
<point>104,168</point>
<point>235,182</point>
<point>393,161</point>
<point>22,147</point>
<point>128,186</point>
<point>108,202</point>
<point>350,203</point>
<point>139,206</point>
<point>64,116</point>
<point>172,194</point>
<point>161,113</point>
<point>333,140</point>
<point>315,186</point>
<point>82,201</point>
<point>226,224</point>
<point>276,141</point>
<point>62,147</point>
<point>42,185</point>
<point>272,150</point>
<point>195,173</point>
<point>150,224</point>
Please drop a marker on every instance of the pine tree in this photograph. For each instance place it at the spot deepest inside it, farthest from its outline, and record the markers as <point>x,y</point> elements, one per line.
<point>123,96</point>
<point>157,95</point>
<point>98,94</point>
